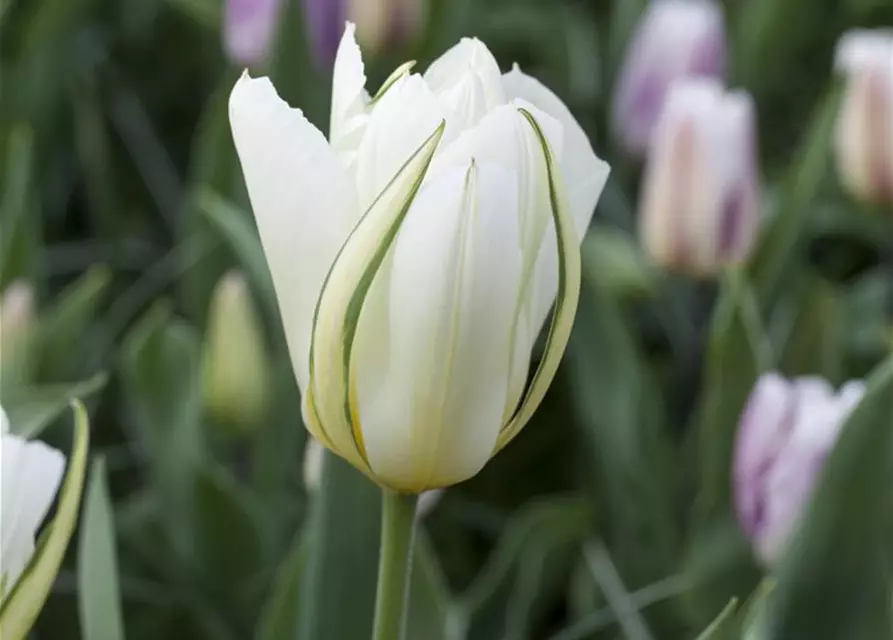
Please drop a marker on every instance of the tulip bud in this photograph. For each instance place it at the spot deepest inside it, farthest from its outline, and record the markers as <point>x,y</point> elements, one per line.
<point>31,474</point>
<point>249,30</point>
<point>864,134</point>
<point>786,432</point>
<point>235,368</point>
<point>417,254</point>
<point>700,202</point>
<point>16,328</point>
<point>384,23</point>
<point>675,39</point>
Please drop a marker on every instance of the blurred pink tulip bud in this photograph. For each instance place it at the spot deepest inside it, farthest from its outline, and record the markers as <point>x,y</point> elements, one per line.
<point>864,135</point>
<point>386,23</point>
<point>675,39</point>
<point>786,432</point>
<point>700,200</point>
<point>17,320</point>
<point>325,24</point>
<point>249,30</point>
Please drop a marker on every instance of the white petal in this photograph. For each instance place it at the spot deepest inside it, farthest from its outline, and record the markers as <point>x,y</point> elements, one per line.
<point>31,473</point>
<point>453,289</point>
<point>303,203</point>
<point>402,120</point>
<point>585,174</point>
<point>349,97</point>
<point>467,80</point>
<point>504,137</point>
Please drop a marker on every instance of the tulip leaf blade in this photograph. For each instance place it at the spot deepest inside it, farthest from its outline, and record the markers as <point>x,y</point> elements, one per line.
<point>98,597</point>
<point>737,354</point>
<point>330,406</point>
<point>833,580</point>
<point>721,627</point>
<point>567,298</point>
<point>21,607</point>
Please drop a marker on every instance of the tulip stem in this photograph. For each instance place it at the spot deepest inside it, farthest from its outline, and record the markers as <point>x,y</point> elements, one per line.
<point>394,564</point>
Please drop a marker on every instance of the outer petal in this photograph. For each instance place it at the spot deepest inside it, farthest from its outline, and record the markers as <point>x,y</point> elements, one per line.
<point>330,401</point>
<point>585,174</point>
<point>303,203</point>
<point>349,97</point>
<point>766,424</point>
<point>505,137</point>
<point>403,118</point>
<point>453,291</point>
<point>31,474</point>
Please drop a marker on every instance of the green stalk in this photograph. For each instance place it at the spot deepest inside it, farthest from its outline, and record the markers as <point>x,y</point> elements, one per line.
<point>394,564</point>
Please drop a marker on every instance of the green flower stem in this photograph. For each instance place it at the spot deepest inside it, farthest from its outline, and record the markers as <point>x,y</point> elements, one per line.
<point>394,564</point>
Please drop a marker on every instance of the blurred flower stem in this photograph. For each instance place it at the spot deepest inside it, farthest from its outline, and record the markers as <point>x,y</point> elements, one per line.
<point>394,564</point>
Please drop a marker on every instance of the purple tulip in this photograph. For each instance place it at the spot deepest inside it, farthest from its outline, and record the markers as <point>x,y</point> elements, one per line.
<point>675,39</point>
<point>325,24</point>
<point>700,195</point>
<point>786,432</point>
<point>249,30</point>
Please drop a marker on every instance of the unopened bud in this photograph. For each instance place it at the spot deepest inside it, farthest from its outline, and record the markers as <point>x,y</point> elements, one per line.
<point>17,318</point>
<point>235,368</point>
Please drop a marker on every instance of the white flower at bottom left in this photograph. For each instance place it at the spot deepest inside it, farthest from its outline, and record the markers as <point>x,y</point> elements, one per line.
<point>30,475</point>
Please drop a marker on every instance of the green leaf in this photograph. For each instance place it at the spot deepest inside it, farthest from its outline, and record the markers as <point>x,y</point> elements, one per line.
<point>338,586</point>
<point>814,345</point>
<point>160,369</point>
<point>834,579</point>
<point>32,409</point>
<point>228,546</point>
<point>781,241</point>
<point>240,234</point>
<point>508,594</point>
<point>723,627</point>
<point>737,354</point>
<point>20,608</point>
<point>99,599</point>
<point>62,329</point>
<point>429,600</point>
<point>618,410</point>
<point>279,616</point>
<point>19,227</point>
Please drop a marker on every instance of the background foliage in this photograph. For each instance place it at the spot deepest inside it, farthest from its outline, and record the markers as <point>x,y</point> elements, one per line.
<point>123,204</point>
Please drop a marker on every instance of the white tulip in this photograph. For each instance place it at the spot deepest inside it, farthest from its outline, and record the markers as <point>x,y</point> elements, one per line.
<point>864,133</point>
<point>31,473</point>
<point>415,255</point>
<point>700,204</point>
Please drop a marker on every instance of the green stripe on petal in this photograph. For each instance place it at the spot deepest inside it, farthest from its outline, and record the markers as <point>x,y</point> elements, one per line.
<point>565,302</point>
<point>21,607</point>
<point>341,301</point>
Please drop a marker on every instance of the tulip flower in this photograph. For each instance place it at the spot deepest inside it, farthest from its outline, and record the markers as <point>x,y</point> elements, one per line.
<point>417,252</point>
<point>675,39</point>
<point>700,200</point>
<point>864,133</point>
<point>325,22</point>
<point>249,30</point>
<point>31,474</point>
<point>787,431</point>
<point>235,369</point>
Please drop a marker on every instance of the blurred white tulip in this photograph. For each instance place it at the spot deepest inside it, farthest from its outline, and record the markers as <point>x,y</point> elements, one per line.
<point>31,473</point>
<point>416,254</point>
<point>864,134</point>
<point>700,200</point>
